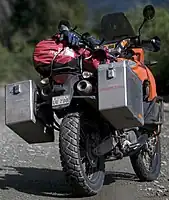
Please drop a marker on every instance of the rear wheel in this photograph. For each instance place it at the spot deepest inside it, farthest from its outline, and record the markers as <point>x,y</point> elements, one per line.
<point>147,163</point>
<point>78,137</point>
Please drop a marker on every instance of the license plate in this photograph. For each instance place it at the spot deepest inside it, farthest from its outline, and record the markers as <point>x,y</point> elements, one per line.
<point>60,100</point>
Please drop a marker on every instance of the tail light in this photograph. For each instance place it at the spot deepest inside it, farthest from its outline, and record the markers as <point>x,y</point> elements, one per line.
<point>60,79</point>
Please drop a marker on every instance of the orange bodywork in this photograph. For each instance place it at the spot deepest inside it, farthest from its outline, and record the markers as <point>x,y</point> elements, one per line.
<point>143,72</point>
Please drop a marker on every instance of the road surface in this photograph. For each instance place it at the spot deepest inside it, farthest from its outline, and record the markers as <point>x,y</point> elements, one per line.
<point>33,172</point>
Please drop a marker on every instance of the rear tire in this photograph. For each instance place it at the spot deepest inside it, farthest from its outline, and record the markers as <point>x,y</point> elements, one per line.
<point>143,172</point>
<point>71,158</point>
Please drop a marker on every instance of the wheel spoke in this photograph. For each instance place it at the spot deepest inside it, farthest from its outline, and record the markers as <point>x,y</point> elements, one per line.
<point>88,141</point>
<point>149,155</point>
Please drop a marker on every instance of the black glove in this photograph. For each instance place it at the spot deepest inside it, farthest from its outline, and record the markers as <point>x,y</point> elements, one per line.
<point>90,39</point>
<point>72,38</point>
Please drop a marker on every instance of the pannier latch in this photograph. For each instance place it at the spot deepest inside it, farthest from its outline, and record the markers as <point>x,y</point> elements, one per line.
<point>16,89</point>
<point>111,72</point>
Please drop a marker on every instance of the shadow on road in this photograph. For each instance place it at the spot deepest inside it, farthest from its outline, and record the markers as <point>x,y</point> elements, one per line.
<point>114,176</point>
<point>166,98</point>
<point>37,181</point>
<point>47,182</point>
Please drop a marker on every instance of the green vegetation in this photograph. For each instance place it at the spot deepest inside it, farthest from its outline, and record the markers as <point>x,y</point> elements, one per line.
<point>158,26</point>
<point>32,21</point>
<point>35,20</point>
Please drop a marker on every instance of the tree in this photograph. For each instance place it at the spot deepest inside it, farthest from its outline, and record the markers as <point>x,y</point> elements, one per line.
<point>36,19</point>
<point>31,21</point>
<point>158,26</point>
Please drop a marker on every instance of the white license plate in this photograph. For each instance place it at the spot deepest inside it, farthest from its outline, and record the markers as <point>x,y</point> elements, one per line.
<point>60,100</point>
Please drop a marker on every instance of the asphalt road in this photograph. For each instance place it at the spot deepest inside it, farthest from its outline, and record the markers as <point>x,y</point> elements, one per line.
<point>33,172</point>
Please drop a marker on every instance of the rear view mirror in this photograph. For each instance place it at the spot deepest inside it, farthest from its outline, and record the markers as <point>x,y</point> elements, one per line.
<point>148,12</point>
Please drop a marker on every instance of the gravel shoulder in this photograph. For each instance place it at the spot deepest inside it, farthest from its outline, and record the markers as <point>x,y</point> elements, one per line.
<point>33,172</point>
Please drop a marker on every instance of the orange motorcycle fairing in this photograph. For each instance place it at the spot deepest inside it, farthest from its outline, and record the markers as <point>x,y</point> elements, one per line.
<point>143,72</point>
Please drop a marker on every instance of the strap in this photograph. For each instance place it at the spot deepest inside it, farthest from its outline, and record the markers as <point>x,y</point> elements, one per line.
<point>51,64</point>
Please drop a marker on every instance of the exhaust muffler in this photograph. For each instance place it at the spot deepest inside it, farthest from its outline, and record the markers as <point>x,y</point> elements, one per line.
<point>84,86</point>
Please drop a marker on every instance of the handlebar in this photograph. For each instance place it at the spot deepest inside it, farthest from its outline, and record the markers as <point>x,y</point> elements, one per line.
<point>144,42</point>
<point>86,40</point>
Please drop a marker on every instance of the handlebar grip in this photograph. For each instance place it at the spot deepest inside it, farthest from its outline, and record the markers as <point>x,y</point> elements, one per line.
<point>145,41</point>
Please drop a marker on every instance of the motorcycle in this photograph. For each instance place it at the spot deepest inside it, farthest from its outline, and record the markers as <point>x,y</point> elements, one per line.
<point>106,115</point>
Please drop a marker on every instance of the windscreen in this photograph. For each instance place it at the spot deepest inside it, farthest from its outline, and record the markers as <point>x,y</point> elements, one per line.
<point>115,26</point>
